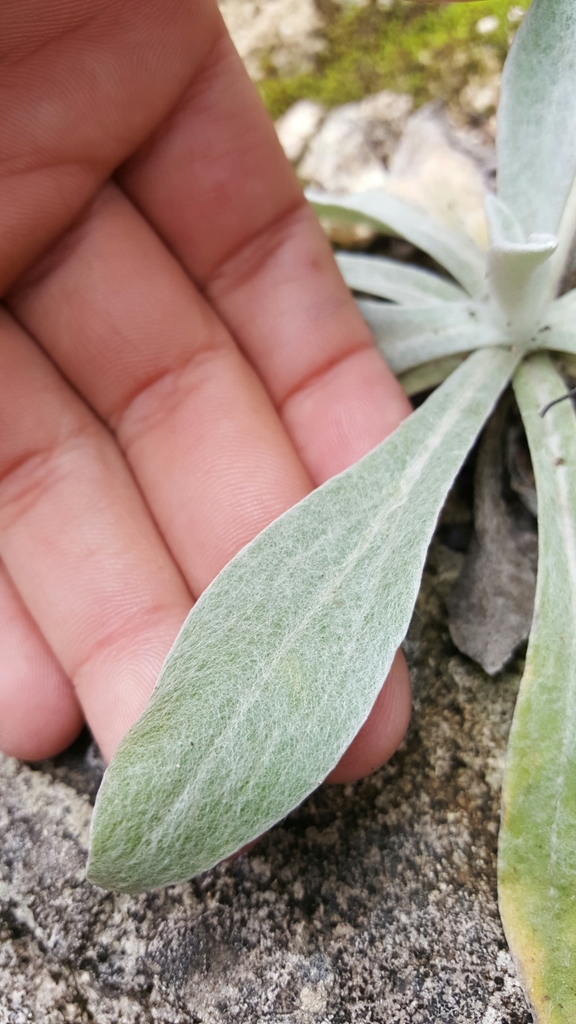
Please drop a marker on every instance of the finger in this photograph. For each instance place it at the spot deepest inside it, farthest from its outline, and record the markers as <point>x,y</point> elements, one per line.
<point>79,544</point>
<point>82,83</point>
<point>144,322</point>
<point>218,188</point>
<point>266,267</point>
<point>119,316</point>
<point>264,264</point>
<point>39,712</point>
<point>383,731</point>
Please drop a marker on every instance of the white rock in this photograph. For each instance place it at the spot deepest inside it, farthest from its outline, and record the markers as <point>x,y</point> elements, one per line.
<point>515,15</point>
<point>375,145</point>
<point>297,126</point>
<point>481,95</point>
<point>487,25</point>
<point>350,150</point>
<point>431,169</point>
<point>285,32</point>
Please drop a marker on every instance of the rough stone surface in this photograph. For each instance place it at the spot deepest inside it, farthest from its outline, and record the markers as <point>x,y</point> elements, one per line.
<point>371,904</point>
<point>377,144</point>
<point>283,33</point>
<point>297,126</point>
<point>350,151</point>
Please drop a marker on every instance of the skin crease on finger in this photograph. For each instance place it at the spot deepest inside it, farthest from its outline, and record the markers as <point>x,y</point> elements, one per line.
<point>82,84</point>
<point>68,127</point>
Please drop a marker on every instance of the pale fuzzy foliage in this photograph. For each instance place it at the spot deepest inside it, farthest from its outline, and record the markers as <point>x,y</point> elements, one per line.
<point>283,656</point>
<point>425,323</point>
<point>537,852</point>
<point>536,145</point>
<point>461,257</point>
<point>280,661</point>
<point>397,282</point>
<point>410,336</point>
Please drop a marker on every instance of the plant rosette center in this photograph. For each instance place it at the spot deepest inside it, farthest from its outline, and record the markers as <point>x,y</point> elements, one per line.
<point>518,275</point>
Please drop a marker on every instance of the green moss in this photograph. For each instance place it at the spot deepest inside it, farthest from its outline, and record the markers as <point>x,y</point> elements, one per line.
<point>429,52</point>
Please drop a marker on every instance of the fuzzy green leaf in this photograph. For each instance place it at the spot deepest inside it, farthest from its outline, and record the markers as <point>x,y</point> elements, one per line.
<point>453,250</point>
<point>537,852</point>
<point>537,117</point>
<point>409,336</point>
<point>281,659</point>
<point>395,281</point>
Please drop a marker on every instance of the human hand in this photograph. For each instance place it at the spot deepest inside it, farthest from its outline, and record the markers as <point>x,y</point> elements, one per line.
<point>180,359</point>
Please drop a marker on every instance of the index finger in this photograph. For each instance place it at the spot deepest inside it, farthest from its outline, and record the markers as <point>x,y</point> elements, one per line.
<point>216,185</point>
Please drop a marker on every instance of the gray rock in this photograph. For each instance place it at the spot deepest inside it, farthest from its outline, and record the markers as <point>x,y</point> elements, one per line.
<point>371,904</point>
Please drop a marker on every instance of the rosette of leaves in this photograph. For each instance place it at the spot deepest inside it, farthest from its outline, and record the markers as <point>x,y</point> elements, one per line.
<point>281,659</point>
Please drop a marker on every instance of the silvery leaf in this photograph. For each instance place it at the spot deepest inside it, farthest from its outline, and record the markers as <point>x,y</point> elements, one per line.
<point>429,375</point>
<point>408,336</point>
<point>453,250</point>
<point>502,224</point>
<point>398,282</point>
<point>562,312</point>
<point>517,278</point>
<point>281,659</point>
<point>536,147</point>
<point>537,852</point>
<point>557,329</point>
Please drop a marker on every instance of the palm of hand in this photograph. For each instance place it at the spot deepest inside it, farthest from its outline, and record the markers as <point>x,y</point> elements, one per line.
<point>181,359</point>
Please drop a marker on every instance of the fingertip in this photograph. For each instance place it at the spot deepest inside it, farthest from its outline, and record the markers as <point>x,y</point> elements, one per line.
<point>343,413</point>
<point>383,731</point>
<point>39,713</point>
<point>39,717</point>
